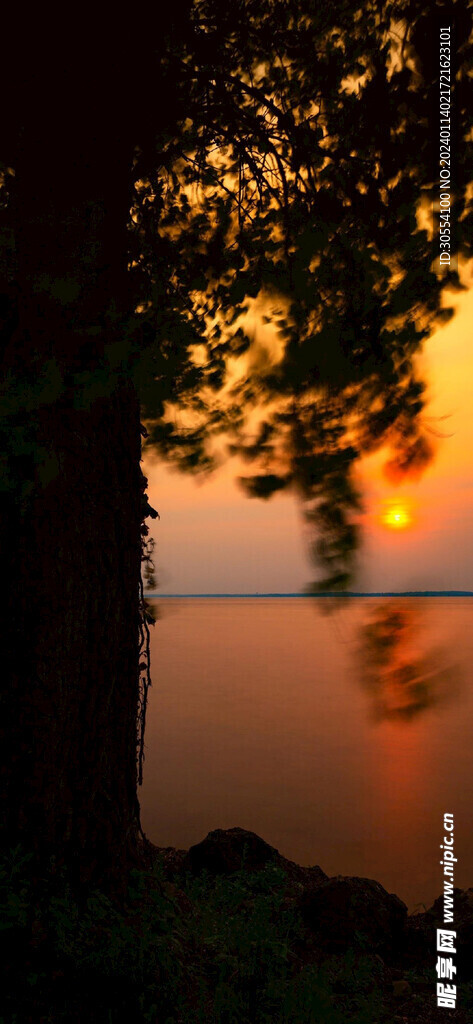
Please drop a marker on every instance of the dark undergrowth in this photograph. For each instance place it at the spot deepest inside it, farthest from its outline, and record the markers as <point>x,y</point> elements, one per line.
<point>225,950</point>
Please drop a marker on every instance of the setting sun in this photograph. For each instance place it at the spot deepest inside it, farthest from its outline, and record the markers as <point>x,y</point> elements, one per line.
<point>397,518</point>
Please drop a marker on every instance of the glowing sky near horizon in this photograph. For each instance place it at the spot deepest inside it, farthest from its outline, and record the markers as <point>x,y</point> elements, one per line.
<point>211,538</point>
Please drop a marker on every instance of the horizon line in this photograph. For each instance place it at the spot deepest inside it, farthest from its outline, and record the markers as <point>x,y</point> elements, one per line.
<point>325,593</point>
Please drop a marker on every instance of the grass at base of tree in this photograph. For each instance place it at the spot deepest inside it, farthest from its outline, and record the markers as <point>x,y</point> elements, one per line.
<point>225,950</point>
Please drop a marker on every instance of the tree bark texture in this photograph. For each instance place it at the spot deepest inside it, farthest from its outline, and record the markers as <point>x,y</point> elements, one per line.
<point>80,97</point>
<point>71,511</point>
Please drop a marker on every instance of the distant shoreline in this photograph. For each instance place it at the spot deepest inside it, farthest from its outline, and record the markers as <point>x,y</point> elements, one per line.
<point>333,594</point>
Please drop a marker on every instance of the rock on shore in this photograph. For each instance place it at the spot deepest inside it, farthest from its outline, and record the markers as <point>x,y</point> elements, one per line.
<point>339,913</point>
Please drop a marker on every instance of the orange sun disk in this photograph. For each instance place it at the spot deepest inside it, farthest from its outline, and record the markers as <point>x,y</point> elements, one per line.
<point>396,518</point>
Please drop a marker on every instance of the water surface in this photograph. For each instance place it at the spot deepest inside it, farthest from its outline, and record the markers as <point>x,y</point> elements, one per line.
<point>341,739</point>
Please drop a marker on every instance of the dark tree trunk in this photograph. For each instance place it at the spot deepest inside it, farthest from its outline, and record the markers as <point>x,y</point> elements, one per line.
<point>71,513</point>
<point>80,98</point>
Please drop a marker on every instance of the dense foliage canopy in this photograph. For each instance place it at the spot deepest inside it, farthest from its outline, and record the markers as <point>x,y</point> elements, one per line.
<point>283,247</point>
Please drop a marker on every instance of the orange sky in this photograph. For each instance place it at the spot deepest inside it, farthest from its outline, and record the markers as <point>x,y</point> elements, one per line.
<point>213,539</point>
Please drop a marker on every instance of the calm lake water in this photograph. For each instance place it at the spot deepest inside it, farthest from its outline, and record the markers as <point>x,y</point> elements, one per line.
<point>340,738</point>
